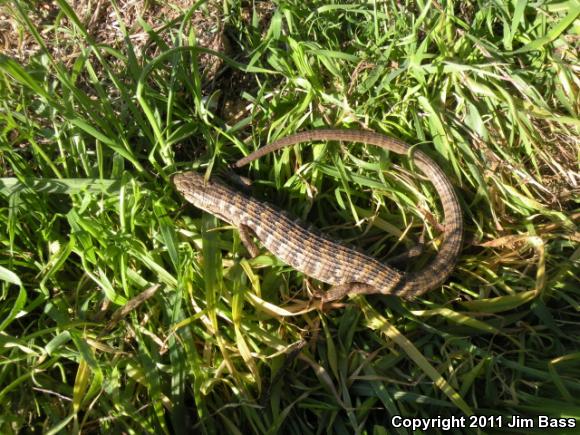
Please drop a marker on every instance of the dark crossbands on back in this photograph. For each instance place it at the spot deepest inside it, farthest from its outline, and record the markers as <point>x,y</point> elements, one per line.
<point>318,256</point>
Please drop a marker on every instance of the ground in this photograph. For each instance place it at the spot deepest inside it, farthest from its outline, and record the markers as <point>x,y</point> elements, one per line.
<point>125,310</point>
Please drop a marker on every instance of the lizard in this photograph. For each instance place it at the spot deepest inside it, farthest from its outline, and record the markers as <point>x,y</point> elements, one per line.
<point>348,270</point>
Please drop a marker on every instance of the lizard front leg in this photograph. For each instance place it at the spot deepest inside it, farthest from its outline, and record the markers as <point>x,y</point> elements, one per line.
<point>246,238</point>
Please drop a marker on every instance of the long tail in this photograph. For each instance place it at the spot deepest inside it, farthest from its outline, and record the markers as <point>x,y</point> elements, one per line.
<point>436,272</point>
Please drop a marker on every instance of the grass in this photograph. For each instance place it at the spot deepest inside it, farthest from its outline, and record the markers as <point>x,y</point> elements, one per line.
<point>124,310</point>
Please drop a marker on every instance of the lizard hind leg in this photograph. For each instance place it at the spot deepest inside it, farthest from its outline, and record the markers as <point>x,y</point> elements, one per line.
<point>415,251</point>
<point>339,291</point>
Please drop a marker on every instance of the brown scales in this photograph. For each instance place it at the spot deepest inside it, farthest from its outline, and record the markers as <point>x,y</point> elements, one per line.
<point>348,270</point>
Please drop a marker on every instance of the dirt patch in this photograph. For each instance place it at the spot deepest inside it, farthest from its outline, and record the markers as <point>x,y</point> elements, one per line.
<point>145,23</point>
<point>148,28</point>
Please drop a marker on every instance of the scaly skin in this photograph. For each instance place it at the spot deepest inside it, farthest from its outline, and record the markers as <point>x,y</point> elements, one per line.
<point>317,256</point>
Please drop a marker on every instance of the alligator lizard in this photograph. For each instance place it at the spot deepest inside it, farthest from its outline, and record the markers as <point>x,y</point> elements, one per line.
<point>348,270</point>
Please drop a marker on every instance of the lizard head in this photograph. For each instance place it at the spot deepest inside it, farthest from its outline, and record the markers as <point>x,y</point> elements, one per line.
<point>200,192</point>
<point>193,186</point>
